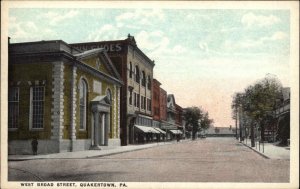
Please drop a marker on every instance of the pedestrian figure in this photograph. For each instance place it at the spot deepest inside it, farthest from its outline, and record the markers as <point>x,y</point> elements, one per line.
<point>178,138</point>
<point>34,145</point>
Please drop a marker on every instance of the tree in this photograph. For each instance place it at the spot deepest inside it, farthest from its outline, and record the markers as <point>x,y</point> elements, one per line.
<point>235,106</point>
<point>205,122</point>
<point>257,102</point>
<point>192,116</point>
<point>198,119</point>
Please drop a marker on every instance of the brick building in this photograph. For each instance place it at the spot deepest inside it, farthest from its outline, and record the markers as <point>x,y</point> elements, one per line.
<point>159,108</point>
<point>163,105</point>
<point>66,98</point>
<point>156,102</point>
<point>136,71</point>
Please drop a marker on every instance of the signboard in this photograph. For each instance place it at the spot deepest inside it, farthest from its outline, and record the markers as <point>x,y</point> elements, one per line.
<point>109,47</point>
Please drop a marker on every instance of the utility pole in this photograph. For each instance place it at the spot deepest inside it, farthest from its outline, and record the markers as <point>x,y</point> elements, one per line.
<point>236,114</point>
<point>240,124</point>
<point>252,134</point>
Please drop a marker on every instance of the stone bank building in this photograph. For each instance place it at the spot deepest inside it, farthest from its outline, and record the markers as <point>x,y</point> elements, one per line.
<point>65,97</point>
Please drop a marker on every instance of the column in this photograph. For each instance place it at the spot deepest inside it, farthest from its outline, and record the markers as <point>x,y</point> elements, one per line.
<point>102,129</point>
<point>96,133</point>
<point>107,127</point>
<point>93,129</point>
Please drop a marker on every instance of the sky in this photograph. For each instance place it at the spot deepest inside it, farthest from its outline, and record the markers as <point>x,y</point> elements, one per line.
<point>202,56</point>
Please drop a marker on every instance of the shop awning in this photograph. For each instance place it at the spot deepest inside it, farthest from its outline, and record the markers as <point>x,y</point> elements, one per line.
<point>146,129</point>
<point>161,131</point>
<point>154,130</point>
<point>176,132</point>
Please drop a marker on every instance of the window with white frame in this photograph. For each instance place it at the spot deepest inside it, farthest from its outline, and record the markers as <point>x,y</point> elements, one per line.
<point>130,96</point>
<point>82,102</point>
<point>142,102</point>
<point>13,107</point>
<point>37,98</point>
<point>149,82</point>
<point>143,79</point>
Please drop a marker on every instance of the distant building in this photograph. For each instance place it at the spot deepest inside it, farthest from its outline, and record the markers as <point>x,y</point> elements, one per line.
<point>282,116</point>
<point>156,103</point>
<point>220,132</point>
<point>171,126</point>
<point>65,97</point>
<point>179,117</point>
<point>136,70</point>
<point>159,99</point>
<point>162,105</point>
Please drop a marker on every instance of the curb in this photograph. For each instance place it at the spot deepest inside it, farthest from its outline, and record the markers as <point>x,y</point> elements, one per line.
<point>92,156</point>
<point>120,152</point>
<point>263,155</point>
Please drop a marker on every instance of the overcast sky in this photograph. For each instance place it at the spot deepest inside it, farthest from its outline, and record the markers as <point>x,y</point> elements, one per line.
<point>201,56</point>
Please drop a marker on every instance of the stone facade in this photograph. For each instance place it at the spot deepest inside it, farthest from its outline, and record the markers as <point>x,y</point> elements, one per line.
<point>50,74</point>
<point>136,71</point>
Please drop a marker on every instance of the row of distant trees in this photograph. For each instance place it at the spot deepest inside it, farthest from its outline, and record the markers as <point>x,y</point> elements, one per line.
<point>257,104</point>
<point>196,120</point>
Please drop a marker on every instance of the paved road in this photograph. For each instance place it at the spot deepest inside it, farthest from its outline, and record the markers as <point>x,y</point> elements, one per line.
<point>206,160</point>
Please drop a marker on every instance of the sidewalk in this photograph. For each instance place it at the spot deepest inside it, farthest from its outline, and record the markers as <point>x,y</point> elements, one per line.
<point>105,151</point>
<point>269,150</point>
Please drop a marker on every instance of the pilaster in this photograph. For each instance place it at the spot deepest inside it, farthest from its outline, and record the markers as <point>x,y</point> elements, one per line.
<point>73,103</point>
<point>115,108</point>
<point>118,115</point>
<point>57,110</point>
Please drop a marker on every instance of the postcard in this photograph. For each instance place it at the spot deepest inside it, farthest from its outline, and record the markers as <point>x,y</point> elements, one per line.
<point>149,94</point>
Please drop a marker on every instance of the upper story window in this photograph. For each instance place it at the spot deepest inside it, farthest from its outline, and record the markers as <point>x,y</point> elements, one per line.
<point>143,102</point>
<point>37,101</point>
<point>138,100</point>
<point>143,79</point>
<point>130,70</point>
<point>13,107</point>
<point>149,83</point>
<point>137,74</point>
<point>82,103</point>
<point>149,106</point>
<point>134,100</point>
<point>130,96</point>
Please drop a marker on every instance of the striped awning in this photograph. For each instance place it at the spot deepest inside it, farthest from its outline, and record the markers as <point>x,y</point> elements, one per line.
<point>146,129</point>
<point>161,131</point>
<point>176,132</point>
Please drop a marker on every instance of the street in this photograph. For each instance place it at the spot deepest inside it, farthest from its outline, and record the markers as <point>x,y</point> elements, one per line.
<point>203,160</point>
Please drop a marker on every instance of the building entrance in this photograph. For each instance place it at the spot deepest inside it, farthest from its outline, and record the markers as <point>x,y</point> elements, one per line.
<point>101,122</point>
